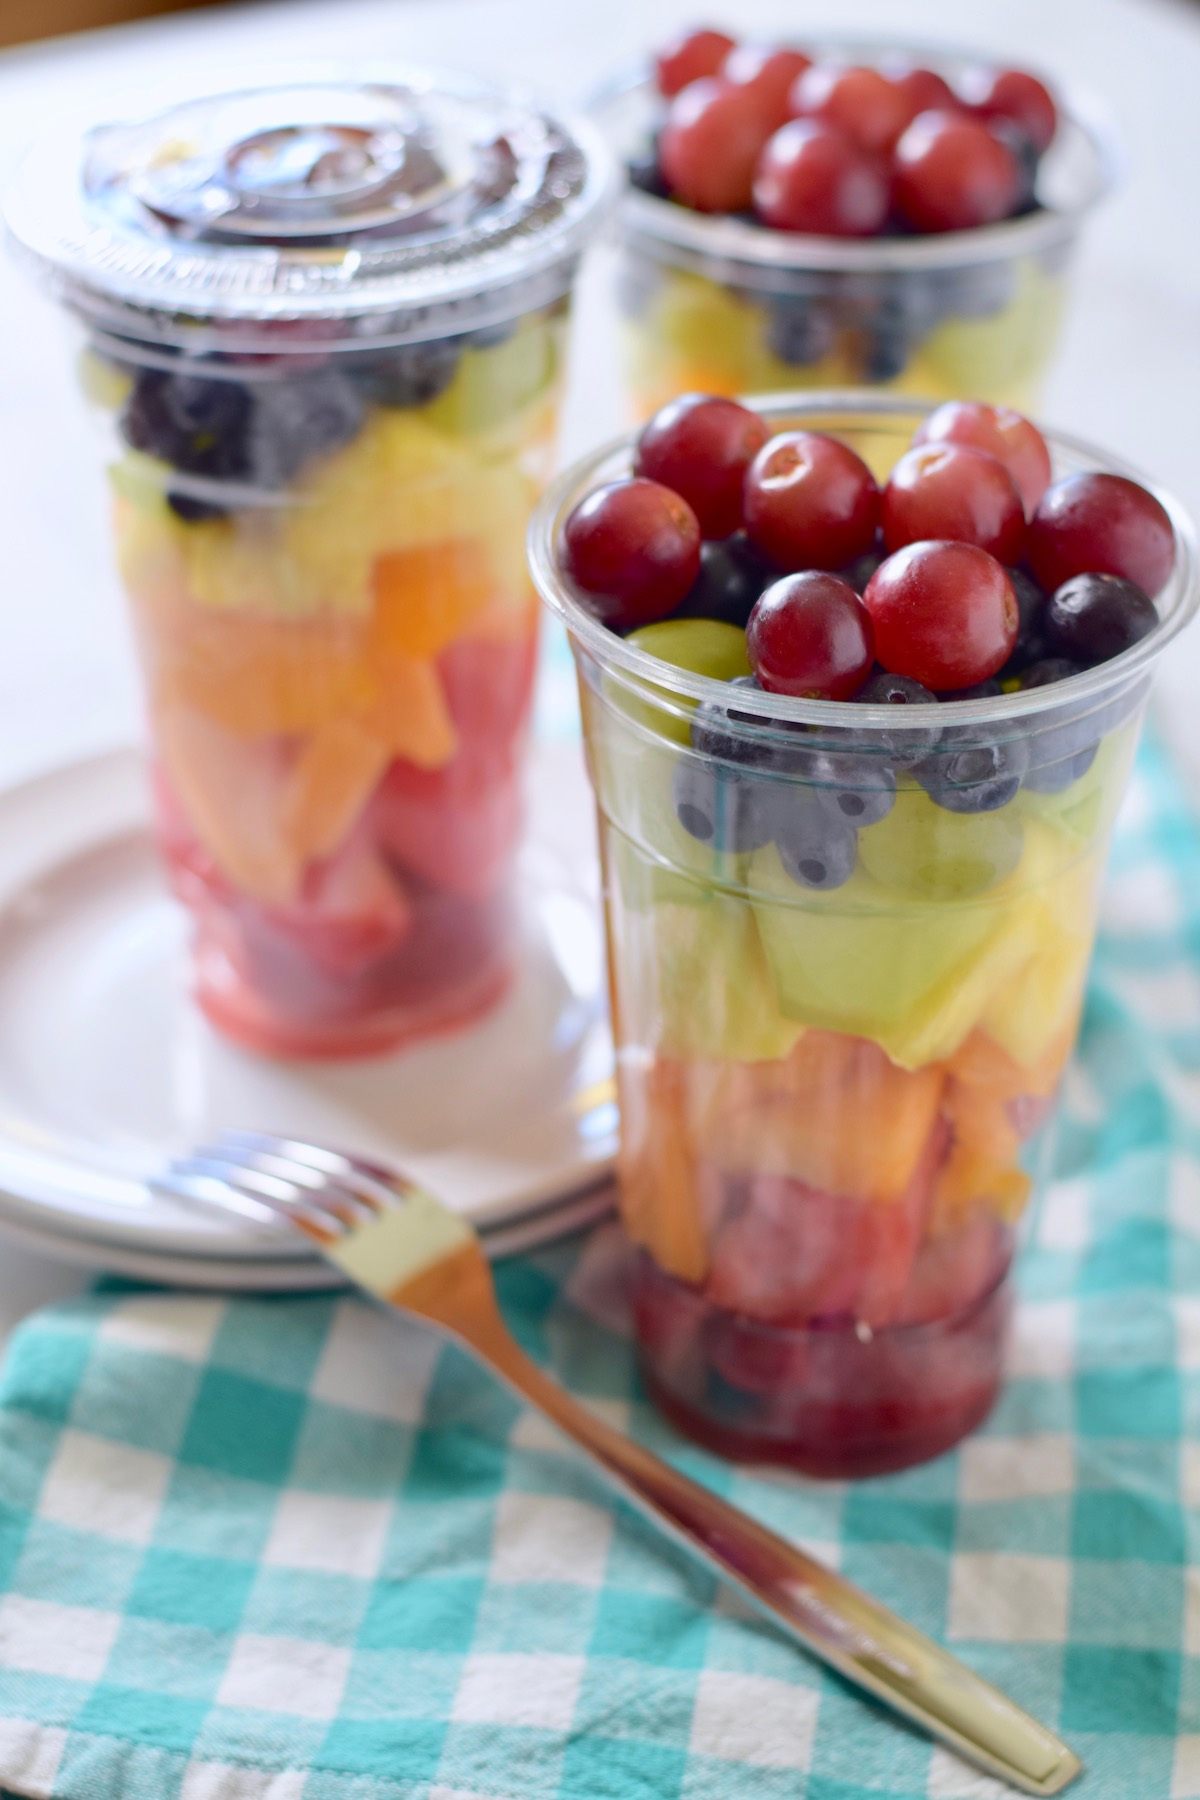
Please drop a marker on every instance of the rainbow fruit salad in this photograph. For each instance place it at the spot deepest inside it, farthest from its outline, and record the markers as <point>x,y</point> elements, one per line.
<point>860,703</point>
<point>325,329</point>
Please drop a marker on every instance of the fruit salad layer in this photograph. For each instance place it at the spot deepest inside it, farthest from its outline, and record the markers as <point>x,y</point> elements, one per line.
<point>325,558</point>
<point>852,153</point>
<point>848,952</point>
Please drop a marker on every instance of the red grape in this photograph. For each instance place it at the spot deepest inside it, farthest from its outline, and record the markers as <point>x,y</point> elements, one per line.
<point>810,635</point>
<point>952,491</point>
<point>702,446</point>
<point>633,550</point>
<point>710,143</point>
<point>810,502</point>
<point>1003,433</point>
<point>1016,95</point>
<point>859,101</point>
<point>813,178</point>
<point>1104,525</point>
<point>951,174</point>
<point>690,58</point>
<point>944,614</point>
<point>770,73</point>
<point>923,89</point>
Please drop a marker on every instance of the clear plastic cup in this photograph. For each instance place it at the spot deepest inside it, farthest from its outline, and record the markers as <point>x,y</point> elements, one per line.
<point>721,305</point>
<point>323,328</point>
<point>836,1092</point>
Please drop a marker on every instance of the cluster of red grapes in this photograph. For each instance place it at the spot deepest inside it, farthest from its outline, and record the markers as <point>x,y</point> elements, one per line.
<point>843,149</point>
<point>970,563</point>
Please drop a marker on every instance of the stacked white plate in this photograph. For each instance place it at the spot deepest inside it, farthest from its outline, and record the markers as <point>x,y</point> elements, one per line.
<point>107,1070</point>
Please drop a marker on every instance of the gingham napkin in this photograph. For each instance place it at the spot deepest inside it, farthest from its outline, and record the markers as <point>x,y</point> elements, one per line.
<point>289,1550</point>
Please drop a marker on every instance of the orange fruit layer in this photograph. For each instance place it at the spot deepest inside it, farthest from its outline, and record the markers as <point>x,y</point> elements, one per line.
<point>835,1113</point>
<point>658,1176</point>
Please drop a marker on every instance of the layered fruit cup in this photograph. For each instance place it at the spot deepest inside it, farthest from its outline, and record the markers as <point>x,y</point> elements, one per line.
<point>768,240</point>
<point>338,670</point>
<point>848,942</point>
<point>324,330</point>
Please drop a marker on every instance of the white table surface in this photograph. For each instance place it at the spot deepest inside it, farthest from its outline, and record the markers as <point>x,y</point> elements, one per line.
<point>1128,374</point>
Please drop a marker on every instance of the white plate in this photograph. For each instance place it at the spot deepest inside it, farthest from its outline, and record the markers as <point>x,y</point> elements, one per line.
<point>287,1274</point>
<point>106,1068</point>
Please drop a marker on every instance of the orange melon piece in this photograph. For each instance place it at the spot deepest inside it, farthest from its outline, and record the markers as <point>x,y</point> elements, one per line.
<point>265,678</point>
<point>232,794</point>
<point>660,1201</point>
<point>982,1122</point>
<point>968,1178</point>
<point>836,1114</point>
<point>330,783</point>
<point>411,715</point>
<point>980,1062</point>
<point>429,595</point>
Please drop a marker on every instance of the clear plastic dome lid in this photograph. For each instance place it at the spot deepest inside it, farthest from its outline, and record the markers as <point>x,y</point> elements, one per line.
<point>391,210</point>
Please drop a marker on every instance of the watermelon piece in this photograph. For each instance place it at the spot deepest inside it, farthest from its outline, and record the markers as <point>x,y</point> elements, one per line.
<point>458,825</point>
<point>955,1268</point>
<point>352,912</point>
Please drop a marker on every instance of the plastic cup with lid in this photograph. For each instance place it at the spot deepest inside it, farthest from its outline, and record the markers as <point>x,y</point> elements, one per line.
<point>322,323</point>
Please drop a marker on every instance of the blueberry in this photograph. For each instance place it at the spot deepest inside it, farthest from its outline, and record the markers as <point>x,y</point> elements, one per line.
<point>194,511</point>
<point>817,849</point>
<point>1063,743</point>
<point>980,290</point>
<point>860,571</point>
<point>903,748</point>
<point>199,426</point>
<point>896,321</point>
<point>1026,157</point>
<point>646,175</point>
<point>490,337</point>
<point>887,351</point>
<point>293,420</point>
<point>989,689</point>
<point>1047,671</point>
<point>1054,775</point>
<point>800,331</point>
<point>859,789</point>
<point>969,774</point>
<point>732,576</point>
<point>1031,632</point>
<point>769,746</point>
<point>409,375</point>
<point>717,807</point>
<point>1094,617</point>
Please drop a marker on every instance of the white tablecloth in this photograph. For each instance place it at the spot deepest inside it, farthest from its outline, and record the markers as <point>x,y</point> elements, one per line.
<point>1128,376</point>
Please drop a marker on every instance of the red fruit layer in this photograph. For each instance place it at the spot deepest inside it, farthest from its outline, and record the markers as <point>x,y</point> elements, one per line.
<point>835,1401</point>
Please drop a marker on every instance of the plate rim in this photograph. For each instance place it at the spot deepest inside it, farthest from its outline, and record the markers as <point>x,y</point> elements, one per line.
<point>25,1199</point>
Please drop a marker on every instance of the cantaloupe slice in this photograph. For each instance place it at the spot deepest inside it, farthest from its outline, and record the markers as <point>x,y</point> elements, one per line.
<point>266,677</point>
<point>967,1179</point>
<point>330,783</point>
<point>660,1199</point>
<point>430,594</point>
<point>835,1114</point>
<point>233,795</point>
<point>411,714</point>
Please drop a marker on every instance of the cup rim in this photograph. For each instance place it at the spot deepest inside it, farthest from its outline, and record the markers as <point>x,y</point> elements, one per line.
<point>765,250</point>
<point>636,667</point>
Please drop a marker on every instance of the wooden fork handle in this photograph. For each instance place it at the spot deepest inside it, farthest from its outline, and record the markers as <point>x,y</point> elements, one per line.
<point>833,1619</point>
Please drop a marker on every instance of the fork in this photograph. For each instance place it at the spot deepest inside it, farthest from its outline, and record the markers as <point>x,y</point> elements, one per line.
<point>404,1248</point>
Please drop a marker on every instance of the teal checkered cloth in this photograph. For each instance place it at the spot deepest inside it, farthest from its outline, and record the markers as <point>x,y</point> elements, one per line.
<point>288,1549</point>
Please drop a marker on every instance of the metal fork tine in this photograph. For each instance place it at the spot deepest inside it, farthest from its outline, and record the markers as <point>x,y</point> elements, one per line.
<point>213,1192</point>
<point>337,1197</point>
<point>379,1186</point>
<point>281,1196</point>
